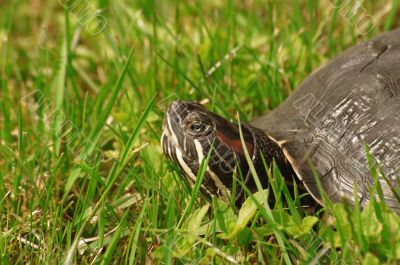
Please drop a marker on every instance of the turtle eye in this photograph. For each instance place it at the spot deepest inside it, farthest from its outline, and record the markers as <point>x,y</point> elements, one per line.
<point>197,126</point>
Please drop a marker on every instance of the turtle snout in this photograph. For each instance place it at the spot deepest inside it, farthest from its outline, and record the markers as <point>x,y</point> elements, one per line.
<point>176,103</point>
<point>176,107</point>
<point>165,122</point>
<point>171,126</point>
<point>175,114</point>
<point>181,108</point>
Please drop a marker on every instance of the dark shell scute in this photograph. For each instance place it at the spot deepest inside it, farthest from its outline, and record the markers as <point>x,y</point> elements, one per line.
<point>348,104</point>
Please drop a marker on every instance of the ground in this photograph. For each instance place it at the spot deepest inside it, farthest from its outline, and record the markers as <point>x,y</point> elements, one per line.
<point>84,87</point>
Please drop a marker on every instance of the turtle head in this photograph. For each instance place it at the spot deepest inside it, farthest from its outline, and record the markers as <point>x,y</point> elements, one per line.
<point>190,133</point>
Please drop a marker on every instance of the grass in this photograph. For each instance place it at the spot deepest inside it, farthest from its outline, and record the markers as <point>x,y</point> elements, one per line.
<point>82,176</point>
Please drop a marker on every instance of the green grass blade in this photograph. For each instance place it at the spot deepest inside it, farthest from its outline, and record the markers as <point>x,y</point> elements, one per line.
<point>114,241</point>
<point>264,201</point>
<point>135,235</point>
<point>96,132</point>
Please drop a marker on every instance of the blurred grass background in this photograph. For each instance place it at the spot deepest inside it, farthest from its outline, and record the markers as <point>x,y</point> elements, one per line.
<point>66,93</point>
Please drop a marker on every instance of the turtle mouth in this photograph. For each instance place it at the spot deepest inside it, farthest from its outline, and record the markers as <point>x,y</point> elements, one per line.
<point>169,147</point>
<point>172,149</point>
<point>168,144</point>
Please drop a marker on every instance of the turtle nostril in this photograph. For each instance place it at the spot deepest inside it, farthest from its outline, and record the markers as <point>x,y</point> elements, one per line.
<point>165,122</point>
<point>177,104</point>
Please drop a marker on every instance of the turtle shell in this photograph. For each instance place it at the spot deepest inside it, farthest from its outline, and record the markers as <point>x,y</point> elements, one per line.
<point>326,125</point>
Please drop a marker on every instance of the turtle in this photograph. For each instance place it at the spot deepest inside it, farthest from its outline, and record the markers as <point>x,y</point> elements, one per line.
<point>342,120</point>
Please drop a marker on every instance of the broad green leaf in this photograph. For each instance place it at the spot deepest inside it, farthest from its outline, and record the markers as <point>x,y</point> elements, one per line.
<point>194,223</point>
<point>191,230</point>
<point>224,215</point>
<point>244,237</point>
<point>246,213</point>
<point>306,225</point>
<point>370,259</point>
